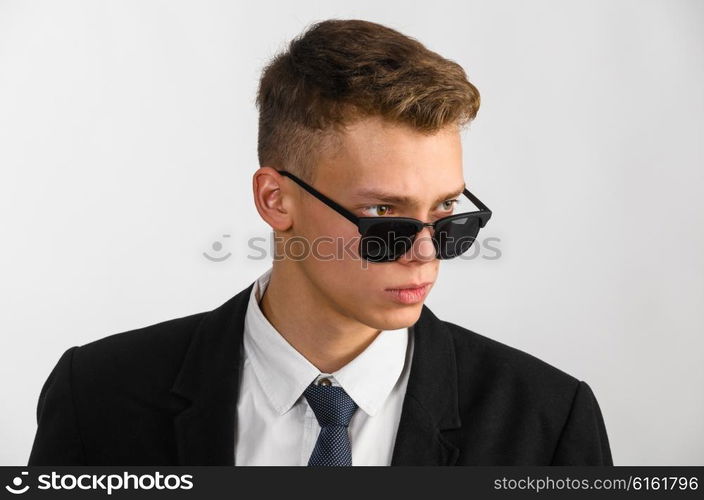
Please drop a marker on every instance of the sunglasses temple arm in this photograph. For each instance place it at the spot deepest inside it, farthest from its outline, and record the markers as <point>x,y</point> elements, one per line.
<point>338,208</point>
<point>476,200</point>
<point>479,204</point>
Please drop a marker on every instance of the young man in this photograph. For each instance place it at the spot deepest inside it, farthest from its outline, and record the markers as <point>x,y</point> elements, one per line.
<point>331,357</point>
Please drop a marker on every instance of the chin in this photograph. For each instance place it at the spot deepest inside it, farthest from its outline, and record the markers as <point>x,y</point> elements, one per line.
<point>397,317</point>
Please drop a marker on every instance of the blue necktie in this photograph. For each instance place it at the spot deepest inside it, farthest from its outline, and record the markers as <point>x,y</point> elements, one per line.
<point>333,408</point>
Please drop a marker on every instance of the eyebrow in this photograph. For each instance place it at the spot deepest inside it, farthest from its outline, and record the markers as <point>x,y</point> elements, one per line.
<point>403,200</point>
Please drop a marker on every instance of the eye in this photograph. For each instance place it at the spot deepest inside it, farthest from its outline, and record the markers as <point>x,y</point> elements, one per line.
<point>377,210</point>
<point>447,205</point>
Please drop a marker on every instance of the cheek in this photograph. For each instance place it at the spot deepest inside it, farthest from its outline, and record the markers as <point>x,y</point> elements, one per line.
<point>333,259</point>
<point>332,239</point>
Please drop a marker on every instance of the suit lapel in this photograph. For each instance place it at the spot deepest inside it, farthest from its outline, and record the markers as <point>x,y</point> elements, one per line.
<point>209,382</point>
<point>430,409</point>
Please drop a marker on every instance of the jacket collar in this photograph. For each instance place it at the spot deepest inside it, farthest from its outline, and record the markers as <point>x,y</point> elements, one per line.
<point>209,376</point>
<point>209,379</point>
<point>431,407</point>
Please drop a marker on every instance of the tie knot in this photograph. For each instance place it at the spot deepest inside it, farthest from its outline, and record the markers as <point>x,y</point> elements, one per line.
<point>331,404</point>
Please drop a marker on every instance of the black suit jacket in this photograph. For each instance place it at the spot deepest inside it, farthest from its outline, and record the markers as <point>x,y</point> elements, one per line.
<point>166,394</point>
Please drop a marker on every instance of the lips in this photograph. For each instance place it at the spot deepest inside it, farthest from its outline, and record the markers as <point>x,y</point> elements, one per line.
<point>410,286</point>
<point>410,293</point>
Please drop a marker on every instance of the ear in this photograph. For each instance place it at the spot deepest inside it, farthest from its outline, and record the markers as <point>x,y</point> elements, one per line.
<point>271,199</point>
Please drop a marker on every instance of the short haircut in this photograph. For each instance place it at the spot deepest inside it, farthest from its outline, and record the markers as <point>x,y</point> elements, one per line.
<point>338,71</point>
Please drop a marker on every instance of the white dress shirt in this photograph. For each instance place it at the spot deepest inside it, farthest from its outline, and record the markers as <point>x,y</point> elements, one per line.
<point>275,424</point>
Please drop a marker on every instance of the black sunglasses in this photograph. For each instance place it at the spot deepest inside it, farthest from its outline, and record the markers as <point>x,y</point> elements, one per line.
<point>386,239</point>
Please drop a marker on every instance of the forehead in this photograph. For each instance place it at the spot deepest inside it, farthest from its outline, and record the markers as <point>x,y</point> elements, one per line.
<point>374,154</point>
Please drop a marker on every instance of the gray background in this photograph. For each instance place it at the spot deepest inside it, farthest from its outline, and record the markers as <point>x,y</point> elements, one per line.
<point>128,141</point>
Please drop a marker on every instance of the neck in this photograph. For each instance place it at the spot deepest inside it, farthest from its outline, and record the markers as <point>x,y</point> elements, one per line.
<point>301,314</point>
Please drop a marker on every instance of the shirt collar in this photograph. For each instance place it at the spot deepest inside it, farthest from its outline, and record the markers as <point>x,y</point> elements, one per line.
<point>284,373</point>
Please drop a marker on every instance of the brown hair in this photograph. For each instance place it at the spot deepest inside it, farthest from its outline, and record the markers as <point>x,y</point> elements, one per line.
<point>341,70</point>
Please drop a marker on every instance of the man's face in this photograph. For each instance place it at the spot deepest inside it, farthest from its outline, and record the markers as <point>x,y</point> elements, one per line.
<point>378,156</point>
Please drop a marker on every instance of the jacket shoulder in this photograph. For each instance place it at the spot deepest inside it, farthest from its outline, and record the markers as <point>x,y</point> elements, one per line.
<point>481,356</point>
<point>552,417</point>
<point>115,382</point>
<point>150,354</point>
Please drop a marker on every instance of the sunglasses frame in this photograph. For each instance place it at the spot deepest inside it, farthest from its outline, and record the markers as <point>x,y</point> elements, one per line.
<point>365,223</point>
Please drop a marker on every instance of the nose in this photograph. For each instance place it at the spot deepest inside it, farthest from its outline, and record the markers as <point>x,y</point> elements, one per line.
<point>423,249</point>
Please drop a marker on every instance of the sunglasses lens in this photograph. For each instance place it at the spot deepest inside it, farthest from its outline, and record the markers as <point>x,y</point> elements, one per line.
<point>387,240</point>
<point>455,236</point>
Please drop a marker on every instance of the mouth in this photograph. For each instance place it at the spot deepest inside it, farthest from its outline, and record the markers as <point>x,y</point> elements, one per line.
<point>412,293</point>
